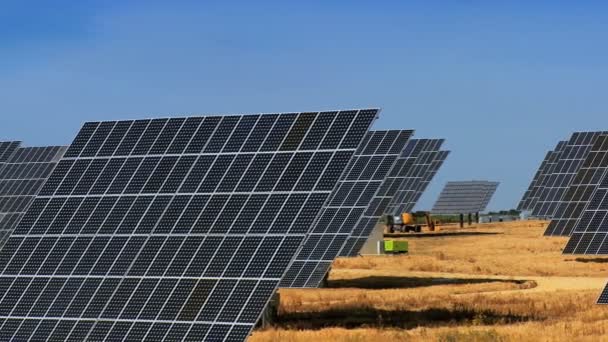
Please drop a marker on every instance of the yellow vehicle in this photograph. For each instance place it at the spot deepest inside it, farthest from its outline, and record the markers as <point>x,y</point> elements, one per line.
<point>407,222</point>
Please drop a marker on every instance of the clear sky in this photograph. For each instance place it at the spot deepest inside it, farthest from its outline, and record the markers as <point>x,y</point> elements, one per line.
<point>501,82</point>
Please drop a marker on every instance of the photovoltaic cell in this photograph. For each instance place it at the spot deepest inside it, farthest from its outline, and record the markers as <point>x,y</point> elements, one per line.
<point>405,174</point>
<point>569,161</point>
<point>22,175</point>
<point>528,200</point>
<point>464,197</point>
<point>349,202</point>
<point>171,229</point>
<point>581,189</point>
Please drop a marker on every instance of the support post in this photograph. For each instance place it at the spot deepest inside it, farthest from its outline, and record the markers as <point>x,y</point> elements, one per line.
<point>461,220</point>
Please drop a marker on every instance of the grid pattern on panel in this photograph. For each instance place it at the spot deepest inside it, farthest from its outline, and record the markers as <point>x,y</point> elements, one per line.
<point>570,160</point>
<point>21,177</point>
<point>405,199</point>
<point>576,198</point>
<point>349,202</point>
<point>400,174</point>
<point>171,229</point>
<point>527,201</point>
<point>464,197</point>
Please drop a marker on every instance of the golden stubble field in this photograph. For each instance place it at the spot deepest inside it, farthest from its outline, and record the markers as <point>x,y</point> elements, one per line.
<point>492,282</point>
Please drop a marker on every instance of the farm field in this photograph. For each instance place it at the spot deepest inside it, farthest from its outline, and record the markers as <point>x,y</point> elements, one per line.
<point>490,282</point>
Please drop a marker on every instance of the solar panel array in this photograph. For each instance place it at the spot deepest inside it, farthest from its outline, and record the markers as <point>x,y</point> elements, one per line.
<point>419,176</point>
<point>528,200</point>
<point>412,161</point>
<point>464,197</point>
<point>569,162</point>
<point>171,229</point>
<point>350,205</point>
<point>576,198</point>
<point>21,177</point>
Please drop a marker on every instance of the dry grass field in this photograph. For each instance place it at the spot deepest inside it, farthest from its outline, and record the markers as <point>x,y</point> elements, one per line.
<point>491,282</point>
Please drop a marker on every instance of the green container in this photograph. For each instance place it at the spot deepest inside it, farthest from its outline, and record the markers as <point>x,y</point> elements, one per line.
<point>394,247</point>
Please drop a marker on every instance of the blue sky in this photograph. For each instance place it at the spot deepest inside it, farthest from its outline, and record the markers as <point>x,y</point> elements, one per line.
<point>501,82</point>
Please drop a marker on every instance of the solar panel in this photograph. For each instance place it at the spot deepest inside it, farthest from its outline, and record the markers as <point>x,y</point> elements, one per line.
<point>428,177</point>
<point>21,177</point>
<point>417,178</point>
<point>543,182</point>
<point>404,174</point>
<point>568,164</point>
<point>590,230</point>
<point>7,148</point>
<point>346,207</point>
<point>171,229</point>
<point>576,198</point>
<point>527,201</point>
<point>464,197</point>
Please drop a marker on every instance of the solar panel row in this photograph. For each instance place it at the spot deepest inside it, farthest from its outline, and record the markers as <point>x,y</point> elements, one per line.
<point>171,229</point>
<point>544,182</point>
<point>570,160</point>
<point>528,200</point>
<point>576,198</point>
<point>426,180</point>
<point>413,160</point>
<point>405,198</point>
<point>353,203</point>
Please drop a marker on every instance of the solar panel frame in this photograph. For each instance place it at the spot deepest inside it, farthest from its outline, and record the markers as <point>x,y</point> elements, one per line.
<point>101,255</point>
<point>345,209</point>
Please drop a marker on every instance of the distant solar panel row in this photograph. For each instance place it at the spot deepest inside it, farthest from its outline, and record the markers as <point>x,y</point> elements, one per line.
<point>416,179</point>
<point>464,197</point>
<point>352,204</point>
<point>528,200</point>
<point>568,164</point>
<point>544,180</point>
<point>21,177</point>
<point>426,180</point>
<point>397,179</point>
<point>171,229</point>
